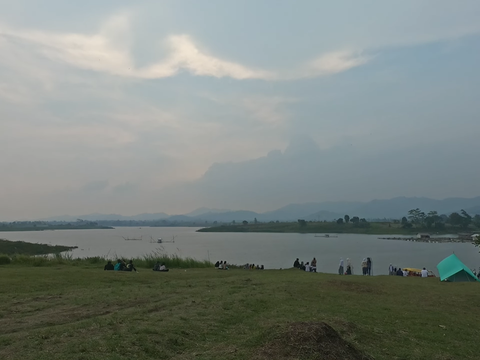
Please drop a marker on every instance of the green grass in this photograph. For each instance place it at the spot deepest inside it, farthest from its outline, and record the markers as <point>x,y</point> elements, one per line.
<point>20,247</point>
<point>83,312</point>
<point>23,253</point>
<point>373,228</point>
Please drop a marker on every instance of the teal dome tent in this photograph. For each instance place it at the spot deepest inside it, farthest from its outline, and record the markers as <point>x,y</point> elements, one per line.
<point>452,269</point>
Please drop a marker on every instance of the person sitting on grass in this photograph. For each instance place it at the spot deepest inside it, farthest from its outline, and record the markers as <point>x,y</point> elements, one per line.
<point>220,265</point>
<point>109,266</point>
<point>130,266</point>
<point>217,264</point>
<point>119,266</point>
<point>302,266</point>
<point>296,264</point>
<point>163,268</point>
<point>224,265</point>
<point>307,267</point>
<point>156,267</point>
<point>399,272</point>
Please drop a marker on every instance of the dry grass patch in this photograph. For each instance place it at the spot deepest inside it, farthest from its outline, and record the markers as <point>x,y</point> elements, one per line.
<point>310,341</point>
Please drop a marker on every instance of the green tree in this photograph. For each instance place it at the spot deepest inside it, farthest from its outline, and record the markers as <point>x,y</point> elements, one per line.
<point>476,221</point>
<point>245,222</point>
<point>476,241</point>
<point>455,219</point>
<point>347,219</point>
<point>340,221</point>
<point>255,221</point>
<point>467,219</point>
<point>416,216</point>
<point>355,220</point>
<point>302,222</point>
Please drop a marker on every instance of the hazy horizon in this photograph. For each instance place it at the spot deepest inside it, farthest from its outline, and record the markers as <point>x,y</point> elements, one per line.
<point>125,108</point>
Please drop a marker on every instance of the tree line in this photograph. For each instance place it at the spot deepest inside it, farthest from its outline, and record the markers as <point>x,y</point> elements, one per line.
<point>432,220</point>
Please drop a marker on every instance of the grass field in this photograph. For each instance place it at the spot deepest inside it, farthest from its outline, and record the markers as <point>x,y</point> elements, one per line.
<point>83,312</point>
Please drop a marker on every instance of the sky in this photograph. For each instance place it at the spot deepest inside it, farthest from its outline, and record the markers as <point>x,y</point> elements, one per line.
<point>149,106</point>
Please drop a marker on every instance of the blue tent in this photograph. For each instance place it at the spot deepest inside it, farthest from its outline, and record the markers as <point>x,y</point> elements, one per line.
<point>452,269</point>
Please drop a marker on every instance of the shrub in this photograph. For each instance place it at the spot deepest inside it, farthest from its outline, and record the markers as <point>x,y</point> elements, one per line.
<point>4,260</point>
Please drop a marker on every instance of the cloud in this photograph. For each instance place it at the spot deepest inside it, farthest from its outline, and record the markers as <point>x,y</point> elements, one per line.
<point>109,51</point>
<point>336,62</point>
<point>267,110</point>
<point>106,52</point>
<point>95,186</point>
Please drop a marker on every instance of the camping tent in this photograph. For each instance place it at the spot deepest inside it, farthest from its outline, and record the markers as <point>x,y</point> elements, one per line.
<point>452,269</point>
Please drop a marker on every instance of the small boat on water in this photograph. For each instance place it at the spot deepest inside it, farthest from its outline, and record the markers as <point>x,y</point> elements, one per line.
<point>162,241</point>
<point>326,236</point>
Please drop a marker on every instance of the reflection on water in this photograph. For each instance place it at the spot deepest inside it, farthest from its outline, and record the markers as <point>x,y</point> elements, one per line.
<point>272,250</point>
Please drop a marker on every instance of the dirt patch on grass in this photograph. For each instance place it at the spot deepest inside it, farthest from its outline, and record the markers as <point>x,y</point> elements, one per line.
<point>355,287</point>
<point>310,341</point>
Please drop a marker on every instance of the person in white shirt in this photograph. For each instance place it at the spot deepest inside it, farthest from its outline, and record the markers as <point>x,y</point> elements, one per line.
<point>405,273</point>
<point>307,267</point>
<point>390,270</point>
<point>424,273</point>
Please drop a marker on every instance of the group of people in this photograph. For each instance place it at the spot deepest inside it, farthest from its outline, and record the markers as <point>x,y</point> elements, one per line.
<point>312,266</point>
<point>404,272</point>
<point>366,266</point>
<point>253,267</point>
<point>308,266</point>
<point>221,265</point>
<point>120,266</point>
<point>159,267</point>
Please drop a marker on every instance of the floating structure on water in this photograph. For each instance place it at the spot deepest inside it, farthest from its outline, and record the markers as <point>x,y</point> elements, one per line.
<point>429,239</point>
<point>326,236</point>
<point>132,239</point>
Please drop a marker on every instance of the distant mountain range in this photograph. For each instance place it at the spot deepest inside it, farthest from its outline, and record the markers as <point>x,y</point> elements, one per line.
<point>376,209</point>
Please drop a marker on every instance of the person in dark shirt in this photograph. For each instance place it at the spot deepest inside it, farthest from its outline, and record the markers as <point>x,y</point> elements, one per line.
<point>130,266</point>
<point>217,264</point>
<point>156,267</point>
<point>399,272</point>
<point>109,266</point>
<point>296,264</point>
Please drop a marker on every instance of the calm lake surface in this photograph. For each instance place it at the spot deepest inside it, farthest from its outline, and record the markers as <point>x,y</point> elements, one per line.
<point>272,250</point>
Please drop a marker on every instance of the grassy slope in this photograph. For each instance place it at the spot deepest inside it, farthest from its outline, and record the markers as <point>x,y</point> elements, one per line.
<point>321,227</point>
<point>85,313</point>
<point>20,247</point>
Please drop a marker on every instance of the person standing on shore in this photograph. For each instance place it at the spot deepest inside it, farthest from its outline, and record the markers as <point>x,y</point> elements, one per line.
<point>313,267</point>
<point>390,270</point>
<point>424,273</point>
<point>349,267</point>
<point>364,266</point>
<point>369,266</point>
<point>340,267</point>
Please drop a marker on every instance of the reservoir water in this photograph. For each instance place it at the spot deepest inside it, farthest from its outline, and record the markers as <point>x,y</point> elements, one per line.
<point>274,251</point>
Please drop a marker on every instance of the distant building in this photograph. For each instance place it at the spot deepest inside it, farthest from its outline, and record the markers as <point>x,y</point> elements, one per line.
<point>423,236</point>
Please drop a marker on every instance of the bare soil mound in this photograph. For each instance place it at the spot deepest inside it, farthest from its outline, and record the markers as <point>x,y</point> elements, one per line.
<point>310,341</point>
